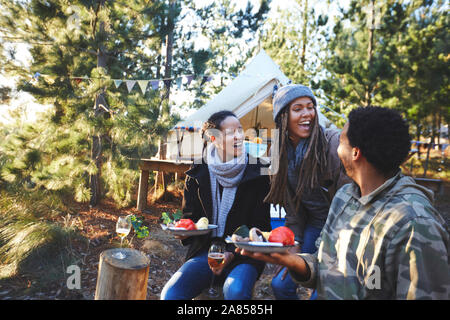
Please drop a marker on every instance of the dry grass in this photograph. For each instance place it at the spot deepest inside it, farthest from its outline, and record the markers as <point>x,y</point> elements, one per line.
<point>30,242</point>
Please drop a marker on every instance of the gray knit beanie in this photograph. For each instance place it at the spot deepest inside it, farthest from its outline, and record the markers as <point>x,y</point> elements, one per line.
<point>286,94</point>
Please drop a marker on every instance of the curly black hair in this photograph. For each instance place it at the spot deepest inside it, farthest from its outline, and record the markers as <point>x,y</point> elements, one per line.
<point>382,136</point>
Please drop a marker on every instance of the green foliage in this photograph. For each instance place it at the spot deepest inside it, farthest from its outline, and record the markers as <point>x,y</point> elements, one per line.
<point>229,31</point>
<point>398,60</point>
<point>105,40</point>
<point>121,182</point>
<point>68,39</point>
<point>29,241</point>
<point>50,156</point>
<point>293,38</point>
<point>140,230</point>
<point>168,217</point>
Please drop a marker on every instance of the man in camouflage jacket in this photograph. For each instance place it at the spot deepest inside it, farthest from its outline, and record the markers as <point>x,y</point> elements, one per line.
<point>383,239</point>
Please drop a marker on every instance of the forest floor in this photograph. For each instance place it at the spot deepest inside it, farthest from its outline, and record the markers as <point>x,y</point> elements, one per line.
<point>97,225</point>
<point>97,229</point>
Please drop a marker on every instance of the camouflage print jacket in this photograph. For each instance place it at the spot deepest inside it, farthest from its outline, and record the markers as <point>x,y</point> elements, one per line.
<point>390,244</point>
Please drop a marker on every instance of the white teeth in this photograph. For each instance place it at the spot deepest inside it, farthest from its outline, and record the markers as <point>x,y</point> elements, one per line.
<point>305,122</point>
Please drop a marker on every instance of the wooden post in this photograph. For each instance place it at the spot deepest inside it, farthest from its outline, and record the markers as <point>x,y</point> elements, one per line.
<point>147,165</point>
<point>159,176</point>
<point>124,279</point>
<point>143,190</point>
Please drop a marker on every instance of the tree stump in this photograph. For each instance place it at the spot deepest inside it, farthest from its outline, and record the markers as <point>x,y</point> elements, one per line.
<point>124,279</point>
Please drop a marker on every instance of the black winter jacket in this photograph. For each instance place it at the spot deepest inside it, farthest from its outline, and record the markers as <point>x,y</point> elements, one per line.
<point>248,207</point>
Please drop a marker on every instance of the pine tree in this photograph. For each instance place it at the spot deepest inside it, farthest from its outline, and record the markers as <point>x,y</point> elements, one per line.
<point>101,40</point>
<point>357,53</point>
<point>392,53</point>
<point>420,57</point>
<point>294,41</point>
<point>98,127</point>
<point>231,33</point>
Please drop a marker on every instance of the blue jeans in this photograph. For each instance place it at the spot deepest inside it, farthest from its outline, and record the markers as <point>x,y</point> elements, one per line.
<point>287,289</point>
<point>195,275</point>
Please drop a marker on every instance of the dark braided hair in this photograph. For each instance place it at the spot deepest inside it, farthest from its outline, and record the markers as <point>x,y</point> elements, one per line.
<point>313,165</point>
<point>214,122</point>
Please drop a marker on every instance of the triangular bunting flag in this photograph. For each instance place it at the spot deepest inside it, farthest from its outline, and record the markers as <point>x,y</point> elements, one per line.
<point>143,85</point>
<point>117,83</point>
<point>189,79</point>
<point>167,83</point>
<point>155,84</point>
<point>206,79</point>
<point>130,84</point>
<point>178,82</point>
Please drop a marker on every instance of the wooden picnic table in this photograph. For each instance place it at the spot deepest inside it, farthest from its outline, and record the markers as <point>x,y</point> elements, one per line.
<point>147,165</point>
<point>436,185</point>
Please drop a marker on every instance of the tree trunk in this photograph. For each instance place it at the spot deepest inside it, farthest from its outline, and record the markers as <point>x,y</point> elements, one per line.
<point>161,178</point>
<point>439,126</point>
<point>96,151</point>
<point>304,36</point>
<point>418,139</point>
<point>158,66</point>
<point>169,51</point>
<point>371,27</point>
<point>425,167</point>
<point>124,279</point>
<point>430,145</point>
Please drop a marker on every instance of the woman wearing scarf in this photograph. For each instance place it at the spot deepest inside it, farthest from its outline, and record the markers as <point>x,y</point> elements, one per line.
<point>308,176</point>
<point>229,190</point>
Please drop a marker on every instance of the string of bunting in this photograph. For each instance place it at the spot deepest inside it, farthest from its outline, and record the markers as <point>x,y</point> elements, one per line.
<point>154,84</point>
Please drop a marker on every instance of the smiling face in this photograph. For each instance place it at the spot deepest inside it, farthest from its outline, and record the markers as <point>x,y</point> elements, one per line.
<point>301,118</point>
<point>230,142</point>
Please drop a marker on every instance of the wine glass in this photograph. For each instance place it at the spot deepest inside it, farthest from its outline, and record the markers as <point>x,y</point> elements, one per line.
<point>216,257</point>
<point>123,227</point>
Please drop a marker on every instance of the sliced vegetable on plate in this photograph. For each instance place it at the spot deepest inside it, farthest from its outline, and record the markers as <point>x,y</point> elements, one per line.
<point>187,227</point>
<point>278,240</point>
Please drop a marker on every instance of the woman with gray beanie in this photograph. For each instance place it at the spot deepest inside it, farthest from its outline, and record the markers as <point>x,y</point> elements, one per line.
<point>308,175</point>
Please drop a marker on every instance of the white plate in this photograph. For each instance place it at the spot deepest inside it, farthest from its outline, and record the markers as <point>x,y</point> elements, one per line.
<point>183,232</point>
<point>263,247</point>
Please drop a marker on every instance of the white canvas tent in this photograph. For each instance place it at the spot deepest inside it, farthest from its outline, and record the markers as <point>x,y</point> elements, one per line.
<point>249,96</point>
